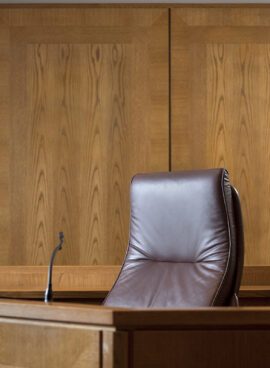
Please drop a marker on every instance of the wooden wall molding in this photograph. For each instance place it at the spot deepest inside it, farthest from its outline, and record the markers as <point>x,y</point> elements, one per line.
<point>136,5</point>
<point>256,276</point>
<point>255,283</point>
<point>68,281</point>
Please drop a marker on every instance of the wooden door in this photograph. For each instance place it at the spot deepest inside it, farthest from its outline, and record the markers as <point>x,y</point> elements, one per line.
<point>221,106</point>
<point>84,106</point>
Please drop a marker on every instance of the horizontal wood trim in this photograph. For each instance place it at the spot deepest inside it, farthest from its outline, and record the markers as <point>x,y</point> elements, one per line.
<point>56,312</point>
<point>256,276</point>
<point>90,282</point>
<point>254,291</point>
<point>92,297</point>
<point>78,279</point>
<point>195,318</point>
<point>137,5</point>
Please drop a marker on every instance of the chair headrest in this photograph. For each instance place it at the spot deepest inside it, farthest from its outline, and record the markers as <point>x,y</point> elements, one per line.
<point>181,216</point>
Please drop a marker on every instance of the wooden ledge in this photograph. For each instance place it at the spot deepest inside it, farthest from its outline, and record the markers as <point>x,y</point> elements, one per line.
<point>193,318</point>
<point>68,281</point>
<point>255,282</point>
<point>254,291</point>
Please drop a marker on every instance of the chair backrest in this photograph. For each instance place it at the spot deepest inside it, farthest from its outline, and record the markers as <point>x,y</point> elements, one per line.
<point>186,242</point>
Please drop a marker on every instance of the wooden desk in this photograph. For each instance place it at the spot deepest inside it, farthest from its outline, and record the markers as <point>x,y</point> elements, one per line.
<point>33,334</point>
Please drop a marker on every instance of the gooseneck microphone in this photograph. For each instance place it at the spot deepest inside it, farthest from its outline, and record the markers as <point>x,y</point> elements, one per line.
<point>49,293</point>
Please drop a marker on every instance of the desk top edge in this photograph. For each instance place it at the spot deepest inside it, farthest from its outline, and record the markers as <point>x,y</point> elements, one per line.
<point>220,317</point>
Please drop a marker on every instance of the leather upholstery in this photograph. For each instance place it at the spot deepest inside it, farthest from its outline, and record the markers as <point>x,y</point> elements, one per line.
<point>182,243</point>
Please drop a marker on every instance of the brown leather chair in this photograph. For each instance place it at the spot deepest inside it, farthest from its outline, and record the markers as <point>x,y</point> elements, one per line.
<point>186,244</point>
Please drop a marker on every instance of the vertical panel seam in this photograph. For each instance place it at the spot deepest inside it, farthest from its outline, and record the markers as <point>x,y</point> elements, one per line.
<point>169,89</point>
<point>130,349</point>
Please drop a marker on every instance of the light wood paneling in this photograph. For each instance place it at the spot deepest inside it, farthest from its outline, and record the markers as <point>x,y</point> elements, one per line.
<point>5,210</point>
<point>255,276</point>
<point>68,281</point>
<point>84,107</point>
<point>221,109</point>
<point>35,344</point>
<point>59,312</point>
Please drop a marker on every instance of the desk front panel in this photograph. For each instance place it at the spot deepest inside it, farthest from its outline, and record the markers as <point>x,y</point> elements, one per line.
<point>35,344</point>
<point>201,348</point>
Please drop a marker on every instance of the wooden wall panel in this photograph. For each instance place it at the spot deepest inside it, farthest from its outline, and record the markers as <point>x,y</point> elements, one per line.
<point>85,93</point>
<point>221,106</point>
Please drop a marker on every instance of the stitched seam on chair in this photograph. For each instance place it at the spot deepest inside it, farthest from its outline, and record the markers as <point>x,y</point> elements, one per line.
<point>230,244</point>
<point>157,260</point>
<point>139,250</point>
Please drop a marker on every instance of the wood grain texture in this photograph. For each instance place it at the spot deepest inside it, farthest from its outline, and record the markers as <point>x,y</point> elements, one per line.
<point>75,314</point>
<point>115,349</point>
<point>209,349</point>
<point>228,15</point>
<point>221,109</point>
<point>124,319</point>
<point>34,344</point>
<point>256,275</point>
<point>5,228</point>
<point>88,110</point>
<point>83,336</point>
<point>33,279</point>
